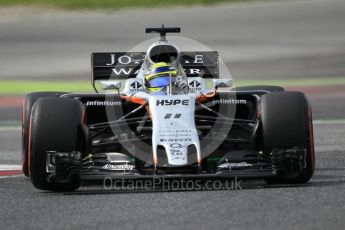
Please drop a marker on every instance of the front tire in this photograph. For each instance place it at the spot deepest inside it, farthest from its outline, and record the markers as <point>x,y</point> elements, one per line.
<point>286,122</point>
<point>29,101</point>
<point>56,124</point>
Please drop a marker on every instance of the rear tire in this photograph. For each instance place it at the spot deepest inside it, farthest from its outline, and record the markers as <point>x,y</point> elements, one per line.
<point>286,121</point>
<point>56,124</point>
<point>30,100</point>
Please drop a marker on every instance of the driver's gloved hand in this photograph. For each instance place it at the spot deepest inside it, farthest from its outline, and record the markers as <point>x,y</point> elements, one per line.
<point>181,85</point>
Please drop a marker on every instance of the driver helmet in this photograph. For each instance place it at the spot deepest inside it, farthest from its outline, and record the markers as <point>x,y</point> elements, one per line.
<point>159,76</point>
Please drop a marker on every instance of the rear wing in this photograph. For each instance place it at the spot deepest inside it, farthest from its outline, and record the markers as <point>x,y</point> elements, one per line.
<point>121,65</point>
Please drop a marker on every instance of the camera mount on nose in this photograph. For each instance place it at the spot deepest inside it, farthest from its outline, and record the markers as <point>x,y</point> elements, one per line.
<point>163,31</point>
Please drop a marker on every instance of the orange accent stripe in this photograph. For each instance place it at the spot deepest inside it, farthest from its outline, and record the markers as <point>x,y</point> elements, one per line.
<point>199,160</point>
<point>134,99</point>
<point>203,97</point>
<point>83,120</point>
<point>311,139</point>
<point>155,160</point>
<point>23,152</point>
<point>137,100</point>
<point>83,116</point>
<point>29,146</point>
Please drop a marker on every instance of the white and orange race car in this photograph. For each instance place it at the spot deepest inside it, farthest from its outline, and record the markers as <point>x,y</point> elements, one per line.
<point>179,120</point>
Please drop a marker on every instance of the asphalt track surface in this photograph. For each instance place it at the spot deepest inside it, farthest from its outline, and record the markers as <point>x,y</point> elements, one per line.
<point>288,40</point>
<point>319,204</point>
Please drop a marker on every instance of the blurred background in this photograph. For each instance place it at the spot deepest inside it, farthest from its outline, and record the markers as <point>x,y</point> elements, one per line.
<point>298,44</point>
<point>46,45</point>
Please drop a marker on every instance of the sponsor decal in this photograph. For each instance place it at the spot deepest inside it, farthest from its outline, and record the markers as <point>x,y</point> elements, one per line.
<point>176,140</point>
<point>169,136</point>
<point>234,165</point>
<point>180,131</point>
<point>172,102</point>
<point>173,124</point>
<point>103,103</point>
<point>174,135</point>
<point>193,71</point>
<point>198,59</point>
<point>175,151</point>
<point>194,86</point>
<point>170,116</point>
<point>176,158</point>
<point>229,101</point>
<point>124,71</point>
<point>136,59</point>
<point>176,145</point>
<point>118,167</point>
<point>124,60</point>
<point>136,85</point>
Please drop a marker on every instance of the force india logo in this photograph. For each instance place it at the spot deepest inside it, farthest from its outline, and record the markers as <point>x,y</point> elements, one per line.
<point>172,102</point>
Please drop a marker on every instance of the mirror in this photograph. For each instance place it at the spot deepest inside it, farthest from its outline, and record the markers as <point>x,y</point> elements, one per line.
<point>222,83</point>
<point>115,84</point>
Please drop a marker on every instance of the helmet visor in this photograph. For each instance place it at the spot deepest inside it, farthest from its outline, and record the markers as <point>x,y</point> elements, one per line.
<point>160,81</point>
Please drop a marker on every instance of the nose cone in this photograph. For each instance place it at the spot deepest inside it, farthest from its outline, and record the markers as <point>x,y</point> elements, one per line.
<point>176,154</point>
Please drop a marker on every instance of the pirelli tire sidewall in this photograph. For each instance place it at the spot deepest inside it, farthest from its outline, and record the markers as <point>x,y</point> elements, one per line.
<point>286,122</point>
<point>56,124</point>
<point>29,101</point>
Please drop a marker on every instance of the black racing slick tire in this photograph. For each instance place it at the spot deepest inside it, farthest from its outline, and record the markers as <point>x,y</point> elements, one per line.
<point>286,123</point>
<point>56,124</point>
<point>29,101</point>
<point>268,88</point>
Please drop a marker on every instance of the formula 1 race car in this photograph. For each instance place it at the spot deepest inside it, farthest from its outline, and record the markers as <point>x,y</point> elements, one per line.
<point>167,114</point>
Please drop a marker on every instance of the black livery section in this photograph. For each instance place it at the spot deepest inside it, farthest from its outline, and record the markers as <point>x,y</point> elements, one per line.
<point>121,65</point>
